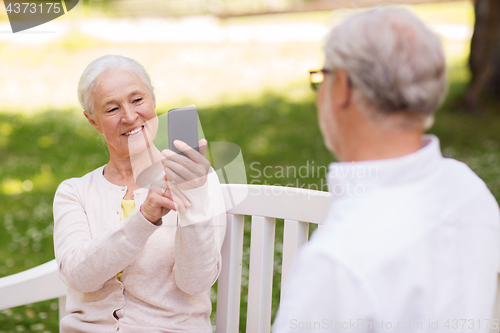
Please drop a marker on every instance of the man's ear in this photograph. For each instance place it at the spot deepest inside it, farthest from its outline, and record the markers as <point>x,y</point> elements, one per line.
<point>92,121</point>
<point>343,90</point>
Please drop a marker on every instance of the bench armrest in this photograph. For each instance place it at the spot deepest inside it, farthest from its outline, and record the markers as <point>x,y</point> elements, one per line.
<point>33,285</point>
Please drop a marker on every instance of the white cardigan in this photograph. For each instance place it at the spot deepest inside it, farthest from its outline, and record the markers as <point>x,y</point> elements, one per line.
<point>167,270</point>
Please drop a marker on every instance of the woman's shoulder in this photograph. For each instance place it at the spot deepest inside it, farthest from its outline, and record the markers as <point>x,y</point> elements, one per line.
<point>79,182</point>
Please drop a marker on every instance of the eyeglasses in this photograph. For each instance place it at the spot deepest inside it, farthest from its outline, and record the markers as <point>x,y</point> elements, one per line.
<point>317,77</point>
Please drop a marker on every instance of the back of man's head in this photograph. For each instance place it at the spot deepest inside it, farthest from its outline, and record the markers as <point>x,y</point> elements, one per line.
<point>395,63</point>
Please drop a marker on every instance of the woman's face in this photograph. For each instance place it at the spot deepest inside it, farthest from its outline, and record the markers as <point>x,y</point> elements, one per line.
<point>122,105</point>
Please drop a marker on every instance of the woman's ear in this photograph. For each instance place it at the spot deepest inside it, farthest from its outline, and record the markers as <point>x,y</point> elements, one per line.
<point>92,121</point>
<point>154,102</point>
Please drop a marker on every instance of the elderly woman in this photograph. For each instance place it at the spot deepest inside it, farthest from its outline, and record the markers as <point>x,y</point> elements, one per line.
<point>136,259</point>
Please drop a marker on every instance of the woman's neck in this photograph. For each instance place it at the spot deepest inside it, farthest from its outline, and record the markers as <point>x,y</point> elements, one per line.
<point>123,170</point>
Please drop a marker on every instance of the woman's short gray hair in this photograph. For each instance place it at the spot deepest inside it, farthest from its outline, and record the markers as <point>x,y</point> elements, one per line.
<point>90,77</point>
<point>395,63</point>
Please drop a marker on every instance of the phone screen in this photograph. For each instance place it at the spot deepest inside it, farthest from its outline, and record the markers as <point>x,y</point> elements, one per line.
<point>183,125</point>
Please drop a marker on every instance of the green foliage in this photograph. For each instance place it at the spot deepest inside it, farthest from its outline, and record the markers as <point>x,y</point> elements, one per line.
<point>38,317</point>
<point>273,132</point>
<point>37,154</point>
<point>75,42</point>
<point>445,12</point>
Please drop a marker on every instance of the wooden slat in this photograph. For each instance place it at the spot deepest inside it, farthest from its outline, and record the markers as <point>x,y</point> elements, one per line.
<point>279,202</point>
<point>260,280</point>
<point>229,283</point>
<point>62,307</point>
<point>295,234</point>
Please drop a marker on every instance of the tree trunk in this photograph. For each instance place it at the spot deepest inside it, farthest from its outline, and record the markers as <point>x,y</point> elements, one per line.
<point>484,61</point>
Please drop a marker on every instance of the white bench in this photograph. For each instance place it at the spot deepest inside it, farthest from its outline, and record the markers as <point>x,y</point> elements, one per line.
<point>298,208</point>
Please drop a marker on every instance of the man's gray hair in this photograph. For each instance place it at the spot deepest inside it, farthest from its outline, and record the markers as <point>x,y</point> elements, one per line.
<point>92,73</point>
<point>395,63</point>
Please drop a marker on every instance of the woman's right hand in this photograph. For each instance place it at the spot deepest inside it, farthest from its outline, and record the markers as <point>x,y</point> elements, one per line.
<point>157,205</point>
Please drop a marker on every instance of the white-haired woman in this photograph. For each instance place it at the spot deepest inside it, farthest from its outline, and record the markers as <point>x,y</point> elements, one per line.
<point>136,260</point>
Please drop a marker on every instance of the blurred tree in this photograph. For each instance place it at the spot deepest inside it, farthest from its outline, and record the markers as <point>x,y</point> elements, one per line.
<point>484,61</point>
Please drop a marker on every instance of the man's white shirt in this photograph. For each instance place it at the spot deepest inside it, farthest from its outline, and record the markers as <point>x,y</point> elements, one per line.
<point>410,244</point>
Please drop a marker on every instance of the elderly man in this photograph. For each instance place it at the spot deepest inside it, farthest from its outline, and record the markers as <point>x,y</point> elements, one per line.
<point>411,240</point>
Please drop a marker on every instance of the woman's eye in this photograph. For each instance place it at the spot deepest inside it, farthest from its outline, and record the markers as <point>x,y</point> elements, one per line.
<point>113,109</point>
<point>137,100</point>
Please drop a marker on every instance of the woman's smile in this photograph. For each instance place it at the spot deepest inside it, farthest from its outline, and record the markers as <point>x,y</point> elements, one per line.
<point>134,131</point>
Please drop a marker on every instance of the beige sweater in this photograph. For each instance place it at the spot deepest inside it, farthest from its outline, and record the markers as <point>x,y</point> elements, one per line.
<point>167,270</point>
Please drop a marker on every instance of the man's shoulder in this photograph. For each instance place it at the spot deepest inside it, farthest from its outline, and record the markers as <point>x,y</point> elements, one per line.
<point>379,225</point>
<point>460,188</point>
<point>461,174</point>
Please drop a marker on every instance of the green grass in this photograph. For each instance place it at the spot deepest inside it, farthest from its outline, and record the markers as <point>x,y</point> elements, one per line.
<point>37,152</point>
<point>75,42</point>
<point>41,150</point>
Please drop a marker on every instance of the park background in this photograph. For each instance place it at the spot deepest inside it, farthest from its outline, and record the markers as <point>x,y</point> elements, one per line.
<point>247,75</point>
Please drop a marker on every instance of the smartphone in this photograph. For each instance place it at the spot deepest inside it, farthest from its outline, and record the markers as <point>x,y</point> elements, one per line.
<point>183,125</point>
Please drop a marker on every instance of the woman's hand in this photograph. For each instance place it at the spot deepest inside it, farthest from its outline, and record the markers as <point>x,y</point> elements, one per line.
<point>185,173</point>
<point>157,204</point>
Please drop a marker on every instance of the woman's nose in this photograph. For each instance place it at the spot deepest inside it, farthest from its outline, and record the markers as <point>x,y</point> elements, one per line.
<point>128,114</point>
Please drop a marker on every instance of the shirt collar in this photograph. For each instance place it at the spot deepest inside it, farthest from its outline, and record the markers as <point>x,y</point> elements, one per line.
<point>352,178</point>
<point>114,187</point>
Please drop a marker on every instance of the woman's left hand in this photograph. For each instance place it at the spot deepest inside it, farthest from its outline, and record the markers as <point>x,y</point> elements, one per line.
<point>185,173</point>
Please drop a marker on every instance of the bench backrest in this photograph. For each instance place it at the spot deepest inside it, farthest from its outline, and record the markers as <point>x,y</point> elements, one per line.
<point>298,208</point>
